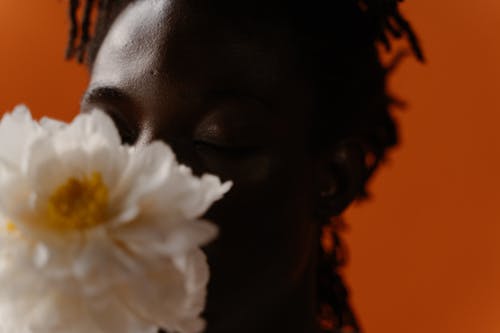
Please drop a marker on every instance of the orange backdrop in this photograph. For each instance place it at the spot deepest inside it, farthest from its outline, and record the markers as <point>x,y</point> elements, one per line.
<point>425,250</point>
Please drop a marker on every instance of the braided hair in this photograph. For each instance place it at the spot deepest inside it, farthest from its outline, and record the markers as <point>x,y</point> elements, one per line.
<point>340,40</point>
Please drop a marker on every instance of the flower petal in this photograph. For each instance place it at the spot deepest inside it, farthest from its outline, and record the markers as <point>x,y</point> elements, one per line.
<point>88,130</point>
<point>173,295</point>
<point>154,240</point>
<point>17,130</point>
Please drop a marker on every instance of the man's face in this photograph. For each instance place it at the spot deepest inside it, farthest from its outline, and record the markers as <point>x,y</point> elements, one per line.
<point>228,96</point>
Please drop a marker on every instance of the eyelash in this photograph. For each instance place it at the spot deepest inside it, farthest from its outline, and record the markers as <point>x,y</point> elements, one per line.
<point>226,150</point>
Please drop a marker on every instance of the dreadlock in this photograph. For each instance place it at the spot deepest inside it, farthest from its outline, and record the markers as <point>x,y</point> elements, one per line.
<point>79,32</point>
<point>340,37</point>
<point>73,32</point>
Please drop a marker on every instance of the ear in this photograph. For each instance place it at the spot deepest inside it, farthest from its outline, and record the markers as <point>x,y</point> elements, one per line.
<point>340,176</point>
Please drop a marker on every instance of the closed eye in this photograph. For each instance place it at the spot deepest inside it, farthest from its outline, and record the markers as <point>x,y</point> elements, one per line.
<point>223,150</point>
<point>119,106</point>
<point>128,133</point>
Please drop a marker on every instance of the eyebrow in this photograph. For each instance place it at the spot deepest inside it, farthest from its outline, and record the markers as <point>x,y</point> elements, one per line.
<point>106,95</point>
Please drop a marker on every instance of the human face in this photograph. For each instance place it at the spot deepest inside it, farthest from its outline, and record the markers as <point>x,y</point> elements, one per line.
<point>228,95</point>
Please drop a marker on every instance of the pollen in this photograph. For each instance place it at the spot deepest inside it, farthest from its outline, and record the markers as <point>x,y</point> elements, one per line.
<point>78,204</point>
<point>10,227</point>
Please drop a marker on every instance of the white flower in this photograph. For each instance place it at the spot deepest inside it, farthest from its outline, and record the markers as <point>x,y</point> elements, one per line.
<point>97,236</point>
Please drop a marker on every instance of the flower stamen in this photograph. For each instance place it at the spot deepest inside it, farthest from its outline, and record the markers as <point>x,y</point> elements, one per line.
<point>78,204</point>
<point>10,227</point>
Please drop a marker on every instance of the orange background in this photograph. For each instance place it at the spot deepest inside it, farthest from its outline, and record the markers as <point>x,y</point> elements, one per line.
<point>425,250</point>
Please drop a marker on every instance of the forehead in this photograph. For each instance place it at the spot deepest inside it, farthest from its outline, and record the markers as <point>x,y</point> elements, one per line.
<point>192,40</point>
<point>128,48</point>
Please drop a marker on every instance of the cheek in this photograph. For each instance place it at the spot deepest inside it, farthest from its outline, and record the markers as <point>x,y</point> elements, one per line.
<point>266,234</point>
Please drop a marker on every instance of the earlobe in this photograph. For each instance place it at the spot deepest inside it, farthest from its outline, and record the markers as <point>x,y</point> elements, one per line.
<point>340,176</point>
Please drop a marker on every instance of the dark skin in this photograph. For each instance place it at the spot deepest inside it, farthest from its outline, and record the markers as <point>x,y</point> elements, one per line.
<point>232,99</point>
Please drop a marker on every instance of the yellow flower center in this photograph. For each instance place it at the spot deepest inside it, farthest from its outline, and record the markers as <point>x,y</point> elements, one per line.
<point>78,204</point>
<point>10,227</point>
